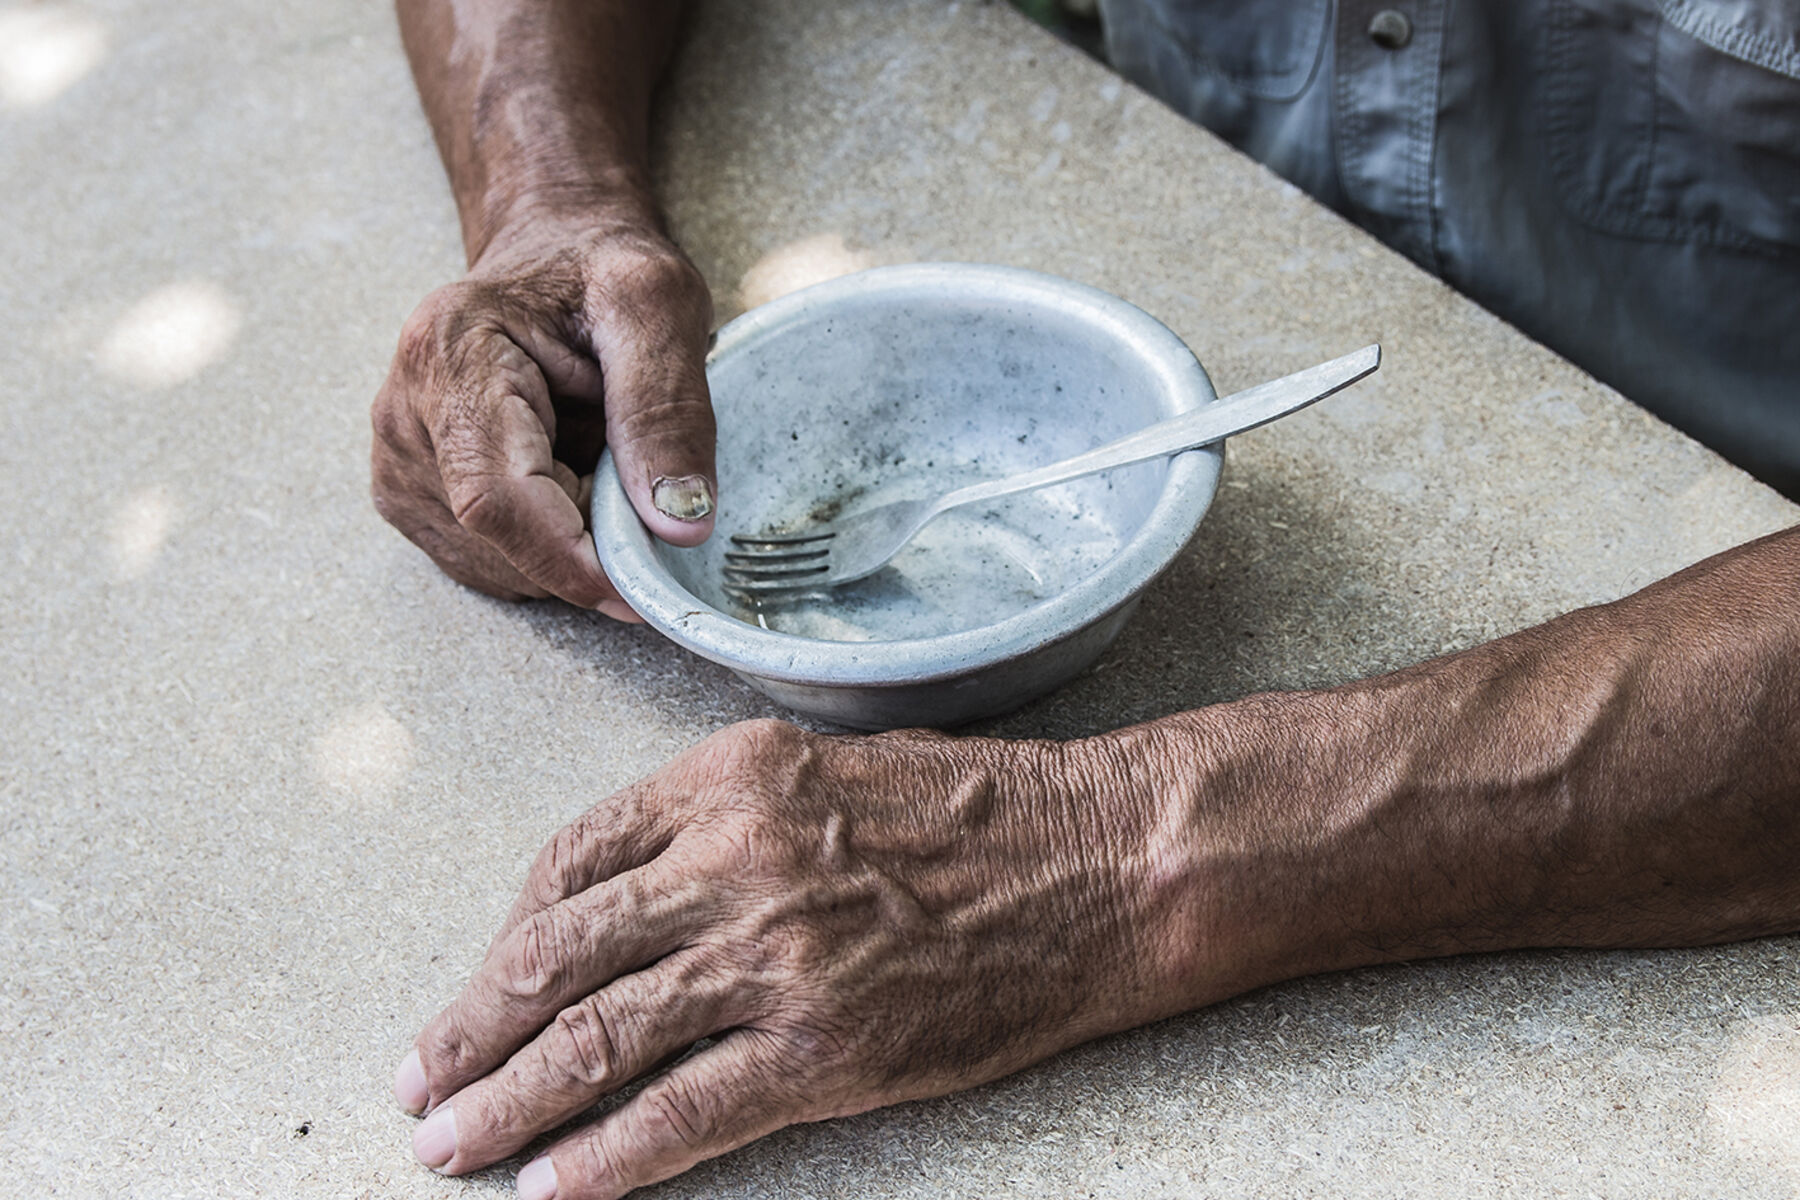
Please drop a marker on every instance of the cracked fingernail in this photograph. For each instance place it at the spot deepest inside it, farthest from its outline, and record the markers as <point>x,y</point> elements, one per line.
<point>434,1141</point>
<point>409,1084</point>
<point>688,498</point>
<point>538,1180</point>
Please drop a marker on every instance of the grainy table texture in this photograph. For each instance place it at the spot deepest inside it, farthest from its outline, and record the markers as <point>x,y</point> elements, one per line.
<point>269,781</point>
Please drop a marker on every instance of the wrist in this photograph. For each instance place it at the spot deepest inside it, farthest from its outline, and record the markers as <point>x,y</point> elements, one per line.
<point>1256,840</point>
<point>555,218</point>
<point>606,267</point>
<point>1415,815</point>
<point>1169,867</point>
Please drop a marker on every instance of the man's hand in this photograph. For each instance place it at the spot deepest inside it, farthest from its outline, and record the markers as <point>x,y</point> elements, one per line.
<point>565,335</point>
<point>856,921</point>
<point>579,323</point>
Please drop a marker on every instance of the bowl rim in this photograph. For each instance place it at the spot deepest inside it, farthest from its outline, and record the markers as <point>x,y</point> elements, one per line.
<point>628,554</point>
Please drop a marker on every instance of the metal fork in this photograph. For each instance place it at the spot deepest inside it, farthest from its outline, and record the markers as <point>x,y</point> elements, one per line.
<point>831,553</point>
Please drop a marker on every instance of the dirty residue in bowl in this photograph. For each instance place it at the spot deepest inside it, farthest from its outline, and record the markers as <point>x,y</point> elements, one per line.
<point>967,568</point>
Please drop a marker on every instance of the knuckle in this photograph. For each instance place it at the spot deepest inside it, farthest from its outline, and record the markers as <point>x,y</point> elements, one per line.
<point>819,1045</point>
<point>672,271</point>
<point>384,490</point>
<point>430,328</point>
<point>485,1115</point>
<point>476,501</point>
<point>559,870</point>
<point>465,429</point>
<point>480,486</point>
<point>588,1044</point>
<point>396,512</point>
<point>674,1115</point>
<point>397,498</point>
<point>446,312</point>
<point>752,745</point>
<point>539,962</point>
<point>913,740</point>
<point>751,772</point>
<point>651,267</point>
<point>446,1056</point>
<point>634,279</point>
<point>450,337</point>
<point>388,499</point>
<point>390,420</point>
<point>801,953</point>
<point>678,409</point>
<point>596,1165</point>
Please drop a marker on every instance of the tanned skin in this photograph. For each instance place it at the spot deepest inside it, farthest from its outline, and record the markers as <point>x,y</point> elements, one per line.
<point>857,921</point>
<point>579,320</point>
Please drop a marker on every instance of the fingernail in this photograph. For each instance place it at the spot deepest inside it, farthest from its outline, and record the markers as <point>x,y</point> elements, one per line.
<point>410,1088</point>
<point>434,1141</point>
<point>689,498</point>
<point>538,1180</point>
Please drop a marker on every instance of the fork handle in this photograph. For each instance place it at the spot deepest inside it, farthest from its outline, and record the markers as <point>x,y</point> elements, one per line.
<point>1237,413</point>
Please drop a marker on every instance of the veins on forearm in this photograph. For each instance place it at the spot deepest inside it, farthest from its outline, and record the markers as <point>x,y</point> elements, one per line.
<point>1626,775</point>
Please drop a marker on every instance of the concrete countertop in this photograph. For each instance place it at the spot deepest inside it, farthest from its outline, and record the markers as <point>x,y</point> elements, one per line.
<point>269,781</point>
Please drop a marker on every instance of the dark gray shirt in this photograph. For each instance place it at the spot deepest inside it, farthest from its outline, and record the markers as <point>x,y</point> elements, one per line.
<point>1618,178</point>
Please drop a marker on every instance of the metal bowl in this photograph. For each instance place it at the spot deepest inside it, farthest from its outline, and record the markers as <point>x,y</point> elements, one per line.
<point>897,383</point>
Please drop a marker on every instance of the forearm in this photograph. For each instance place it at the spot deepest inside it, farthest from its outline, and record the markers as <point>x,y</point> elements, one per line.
<point>849,922</point>
<point>1627,775</point>
<point>540,107</point>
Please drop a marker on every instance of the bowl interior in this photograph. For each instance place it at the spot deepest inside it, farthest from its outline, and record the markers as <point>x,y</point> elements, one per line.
<point>879,395</point>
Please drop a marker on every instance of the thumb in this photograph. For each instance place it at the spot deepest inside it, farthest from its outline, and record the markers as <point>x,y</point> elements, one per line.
<point>659,421</point>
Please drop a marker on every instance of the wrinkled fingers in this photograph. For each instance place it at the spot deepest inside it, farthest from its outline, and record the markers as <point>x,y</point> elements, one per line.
<point>591,1049</point>
<point>626,830</point>
<point>501,484</point>
<point>551,960</point>
<point>409,495</point>
<point>726,1096</point>
<point>464,426</point>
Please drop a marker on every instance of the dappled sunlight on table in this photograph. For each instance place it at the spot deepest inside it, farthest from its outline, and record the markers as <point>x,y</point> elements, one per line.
<point>800,264</point>
<point>1753,1106</point>
<point>44,50</point>
<point>364,754</point>
<point>139,529</point>
<point>172,334</point>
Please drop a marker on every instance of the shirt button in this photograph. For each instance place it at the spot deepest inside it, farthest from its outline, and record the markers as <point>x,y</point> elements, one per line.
<point>1390,29</point>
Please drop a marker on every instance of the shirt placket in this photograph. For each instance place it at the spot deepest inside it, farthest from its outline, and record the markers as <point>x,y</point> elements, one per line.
<point>1385,106</point>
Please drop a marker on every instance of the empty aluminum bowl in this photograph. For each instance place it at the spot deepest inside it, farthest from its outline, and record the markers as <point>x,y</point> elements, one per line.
<point>895,383</point>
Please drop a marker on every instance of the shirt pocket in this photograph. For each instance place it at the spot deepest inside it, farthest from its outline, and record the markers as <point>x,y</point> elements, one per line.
<point>1269,49</point>
<point>1677,120</point>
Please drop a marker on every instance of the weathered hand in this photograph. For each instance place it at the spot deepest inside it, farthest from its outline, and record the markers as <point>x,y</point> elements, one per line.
<point>856,921</point>
<point>563,336</point>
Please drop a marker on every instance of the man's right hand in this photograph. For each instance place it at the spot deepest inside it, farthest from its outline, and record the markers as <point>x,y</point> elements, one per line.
<point>565,335</point>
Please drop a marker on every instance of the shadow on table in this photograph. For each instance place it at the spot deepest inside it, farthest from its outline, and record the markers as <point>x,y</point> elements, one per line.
<point>1256,602</point>
<point>1277,591</point>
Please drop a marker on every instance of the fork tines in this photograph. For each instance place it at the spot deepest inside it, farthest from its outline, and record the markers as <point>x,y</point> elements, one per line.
<point>777,561</point>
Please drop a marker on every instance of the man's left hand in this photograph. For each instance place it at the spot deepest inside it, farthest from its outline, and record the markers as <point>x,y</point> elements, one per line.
<point>850,921</point>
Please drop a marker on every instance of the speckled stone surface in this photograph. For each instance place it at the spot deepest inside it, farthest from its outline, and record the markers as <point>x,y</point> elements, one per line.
<point>268,781</point>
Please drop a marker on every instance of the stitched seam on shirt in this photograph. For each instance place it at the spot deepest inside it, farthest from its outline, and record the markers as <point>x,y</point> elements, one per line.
<point>1336,117</point>
<point>1351,127</point>
<point>1416,185</point>
<point>1418,188</point>
<point>1430,111</point>
<point>1756,49</point>
<point>1649,168</point>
